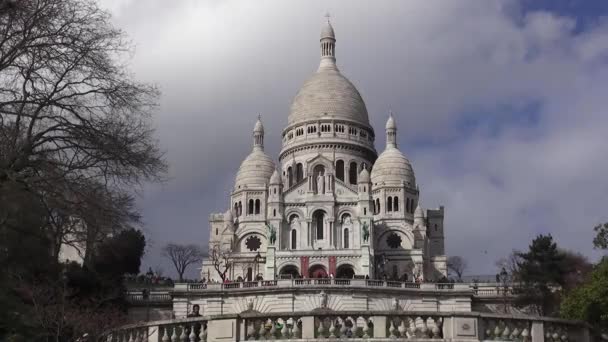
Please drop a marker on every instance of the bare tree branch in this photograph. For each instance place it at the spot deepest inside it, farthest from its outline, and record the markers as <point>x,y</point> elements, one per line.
<point>182,256</point>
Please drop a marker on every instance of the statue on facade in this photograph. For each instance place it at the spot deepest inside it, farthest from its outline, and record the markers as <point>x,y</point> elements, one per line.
<point>272,233</point>
<point>320,184</point>
<point>323,299</point>
<point>365,230</point>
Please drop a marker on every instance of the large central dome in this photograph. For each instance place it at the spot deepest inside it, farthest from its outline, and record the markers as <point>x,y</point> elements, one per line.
<point>328,94</point>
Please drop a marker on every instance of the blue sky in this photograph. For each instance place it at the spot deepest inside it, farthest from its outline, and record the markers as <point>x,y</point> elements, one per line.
<point>500,106</point>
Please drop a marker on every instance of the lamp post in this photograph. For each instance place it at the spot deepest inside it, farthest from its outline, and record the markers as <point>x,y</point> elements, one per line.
<point>146,292</point>
<point>256,261</point>
<point>504,279</point>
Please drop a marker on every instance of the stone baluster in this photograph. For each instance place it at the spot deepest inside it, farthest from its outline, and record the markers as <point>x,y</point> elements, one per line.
<point>131,339</point>
<point>295,331</point>
<point>166,337</point>
<point>192,336</point>
<point>332,328</point>
<point>138,335</point>
<point>425,328</point>
<point>174,336</point>
<point>392,329</point>
<point>262,330</point>
<point>343,328</point>
<point>285,334</point>
<point>402,328</point>
<point>202,335</point>
<point>184,336</point>
<point>273,329</point>
<point>436,331</point>
<point>321,329</point>
<point>367,330</point>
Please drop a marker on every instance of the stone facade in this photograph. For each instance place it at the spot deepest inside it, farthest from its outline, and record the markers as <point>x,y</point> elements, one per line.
<point>333,207</point>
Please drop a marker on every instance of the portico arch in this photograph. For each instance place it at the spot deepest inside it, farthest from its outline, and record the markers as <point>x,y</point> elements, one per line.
<point>290,270</point>
<point>345,271</point>
<point>317,271</point>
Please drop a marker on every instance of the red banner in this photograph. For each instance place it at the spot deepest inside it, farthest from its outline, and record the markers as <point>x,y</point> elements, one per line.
<point>304,261</point>
<point>332,265</point>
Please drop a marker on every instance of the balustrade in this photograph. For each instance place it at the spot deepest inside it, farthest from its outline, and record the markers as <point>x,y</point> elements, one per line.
<point>276,327</point>
<point>321,325</point>
<point>507,329</point>
<point>415,326</point>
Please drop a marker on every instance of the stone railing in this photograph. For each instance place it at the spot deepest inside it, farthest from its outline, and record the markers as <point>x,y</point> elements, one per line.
<point>357,326</point>
<point>324,282</point>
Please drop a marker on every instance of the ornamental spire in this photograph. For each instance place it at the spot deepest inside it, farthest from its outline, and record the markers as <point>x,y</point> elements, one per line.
<point>391,132</point>
<point>258,134</point>
<point>328,46</point>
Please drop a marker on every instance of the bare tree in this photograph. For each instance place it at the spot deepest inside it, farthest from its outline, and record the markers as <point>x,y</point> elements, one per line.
<point>221,261</point>
<point>182,256</point>
<point>510,264</point>
<point>75,128</point>
<point>457,265</point>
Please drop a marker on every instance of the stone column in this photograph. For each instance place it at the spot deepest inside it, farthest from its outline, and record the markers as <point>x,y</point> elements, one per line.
<point>379,326</point>
<point>538,331</point>
<point>270,263</point>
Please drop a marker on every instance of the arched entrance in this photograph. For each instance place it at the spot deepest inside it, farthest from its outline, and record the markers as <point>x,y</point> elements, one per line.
<point>289,271</point>
<point>317,271</point>
<point>345,272</point>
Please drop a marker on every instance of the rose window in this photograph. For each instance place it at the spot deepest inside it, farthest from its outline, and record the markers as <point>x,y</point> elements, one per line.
<point>253,243</point>
<point>393,241</point>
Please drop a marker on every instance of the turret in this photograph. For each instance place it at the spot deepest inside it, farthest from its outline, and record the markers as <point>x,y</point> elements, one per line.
<point>364,189</point>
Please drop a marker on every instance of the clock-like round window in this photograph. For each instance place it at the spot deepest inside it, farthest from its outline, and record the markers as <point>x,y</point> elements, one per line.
<point>253,243</point>
<point>393,240</point>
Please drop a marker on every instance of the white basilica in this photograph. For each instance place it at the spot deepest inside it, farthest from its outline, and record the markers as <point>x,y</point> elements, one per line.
<point>333,207</point>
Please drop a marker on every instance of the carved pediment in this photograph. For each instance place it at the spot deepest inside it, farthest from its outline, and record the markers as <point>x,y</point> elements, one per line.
<point>297,192</point>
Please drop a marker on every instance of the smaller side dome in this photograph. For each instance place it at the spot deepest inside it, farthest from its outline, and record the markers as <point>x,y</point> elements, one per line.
<point>255,170</point>
<point>364,176</point>
<point>275,178</point>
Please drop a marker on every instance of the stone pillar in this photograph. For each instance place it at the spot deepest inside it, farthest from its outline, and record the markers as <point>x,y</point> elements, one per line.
<point>222,330</point>
<point>538,331</point>
<point>270,263</point>
<point>308,327</point>
<point>379,326</point>
<point>332,265</point>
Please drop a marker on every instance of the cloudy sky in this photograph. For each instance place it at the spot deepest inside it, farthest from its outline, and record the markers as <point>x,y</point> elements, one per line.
<point>501,106</point>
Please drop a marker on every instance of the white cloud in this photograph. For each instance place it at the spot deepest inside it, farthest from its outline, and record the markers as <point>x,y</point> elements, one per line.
<point>220,63</point>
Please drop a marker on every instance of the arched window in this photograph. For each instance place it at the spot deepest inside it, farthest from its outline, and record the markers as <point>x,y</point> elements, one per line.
<point>274,212</point>
<point>240,212</point>
<point>340,170</point>
<point>364,211</point>
<point>250,208</point>
<point>294,239</point>
<point>257,206</point>
<point>236,209</point>
<point>318,220</point>
<point>352,173</point>
<point>407,205</point>
<point>377,206</point>
<point>389,204</point>
<point>299,172</point>
<point>346,241</point>
<point>289,177</point>
<point>395,203</point>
